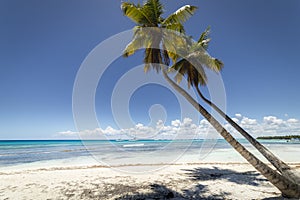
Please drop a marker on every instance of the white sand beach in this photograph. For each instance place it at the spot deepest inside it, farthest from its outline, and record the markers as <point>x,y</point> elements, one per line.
<point>221,174</point>
<point>177,181</point>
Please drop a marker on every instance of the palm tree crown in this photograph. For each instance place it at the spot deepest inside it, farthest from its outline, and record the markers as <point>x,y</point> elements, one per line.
<point>148,33</point>
<point>194,71</point>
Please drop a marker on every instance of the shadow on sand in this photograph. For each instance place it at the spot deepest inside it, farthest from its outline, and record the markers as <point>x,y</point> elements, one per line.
<point>198,191</point>
<point>205,174</point>
<point>191,185</point>
<point>159,191</point>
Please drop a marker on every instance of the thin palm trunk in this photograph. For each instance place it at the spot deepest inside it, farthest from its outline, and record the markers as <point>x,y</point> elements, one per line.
<point>288,188</point>
<point>281,166</point>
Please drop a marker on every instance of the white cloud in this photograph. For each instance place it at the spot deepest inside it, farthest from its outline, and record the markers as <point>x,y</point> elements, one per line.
<point>238,115</point>
<point>160,123</point>
<point>68,133</point>
<point>187,121</point>
<point>292,120</point>
<point>109,130</point>
<point>269,125</point>
<point>204,122</point>
<point>273,120</point>
<point>248,121</point>
<point>176,123</point>
<point>236,120</point>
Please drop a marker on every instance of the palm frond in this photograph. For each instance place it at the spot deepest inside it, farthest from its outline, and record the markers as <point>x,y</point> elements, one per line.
<point>219,64</point>
<point>178,67</point>
<point>166,58</point>
<point>140,40</point>
<point>135,13</point>
<point>204,38</point>
<point>178,77</point>
<point>153,9</point>
<point>170,48</point>
<point>194,75</point>
<point>202,78</point>
<point>175,44</point>
<point>153,58</point>
<point>147,67</point>
<point>176,27</point>
<point>203,58</point>
<point>179,17</point>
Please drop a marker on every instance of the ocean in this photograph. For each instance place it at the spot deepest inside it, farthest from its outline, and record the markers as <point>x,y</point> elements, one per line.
<point>14,153</point>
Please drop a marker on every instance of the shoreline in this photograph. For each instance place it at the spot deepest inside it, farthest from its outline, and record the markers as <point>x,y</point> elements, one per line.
<point>7,171</point>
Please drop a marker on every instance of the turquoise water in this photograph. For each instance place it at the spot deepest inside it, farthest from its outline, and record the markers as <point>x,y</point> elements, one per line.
<point>29,151</point>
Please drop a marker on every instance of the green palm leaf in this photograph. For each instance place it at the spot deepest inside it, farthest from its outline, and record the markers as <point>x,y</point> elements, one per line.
<point>194,75</point>
<point>153,9</point>
<point>175,20</point>
<point>135,13</point>
<point>173,42</point>
<point>153,58</point>
<point>149,15</point>
<point>203,58</point>
<point>141,39</point>
<point>204,39</point>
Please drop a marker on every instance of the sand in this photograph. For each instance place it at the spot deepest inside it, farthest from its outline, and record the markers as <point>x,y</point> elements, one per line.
<point>177,181</point>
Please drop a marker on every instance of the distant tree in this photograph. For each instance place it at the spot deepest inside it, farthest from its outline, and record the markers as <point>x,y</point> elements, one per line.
<point>287,137</point>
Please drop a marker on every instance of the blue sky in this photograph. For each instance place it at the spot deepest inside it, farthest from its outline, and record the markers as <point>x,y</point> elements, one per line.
<point>43,43</point>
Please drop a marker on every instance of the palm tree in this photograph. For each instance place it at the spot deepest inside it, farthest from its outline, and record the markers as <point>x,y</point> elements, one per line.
<point>149,15</point>
<point>288,188</point>
<point>196,77</point>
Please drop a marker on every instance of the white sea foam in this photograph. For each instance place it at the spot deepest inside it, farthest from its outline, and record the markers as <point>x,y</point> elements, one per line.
<point>134,145</point>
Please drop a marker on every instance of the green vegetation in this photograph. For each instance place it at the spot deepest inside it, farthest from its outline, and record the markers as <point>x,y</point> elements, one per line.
<point>286,137</point>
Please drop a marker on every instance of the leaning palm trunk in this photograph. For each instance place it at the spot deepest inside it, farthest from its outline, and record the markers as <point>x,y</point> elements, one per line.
<point>287,187</point>
<point>281,166</point>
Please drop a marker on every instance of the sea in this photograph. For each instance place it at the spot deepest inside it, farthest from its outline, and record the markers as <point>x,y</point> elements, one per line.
<point>47,153</point>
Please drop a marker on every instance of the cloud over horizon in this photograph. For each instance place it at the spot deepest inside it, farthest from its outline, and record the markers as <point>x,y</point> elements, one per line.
<point>187,129</point>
